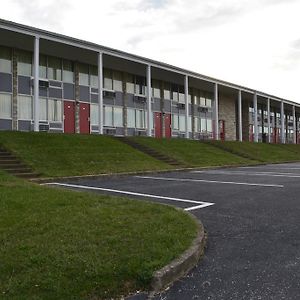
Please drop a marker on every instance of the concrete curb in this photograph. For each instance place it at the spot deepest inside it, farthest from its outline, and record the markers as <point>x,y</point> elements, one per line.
<point>182,265</point>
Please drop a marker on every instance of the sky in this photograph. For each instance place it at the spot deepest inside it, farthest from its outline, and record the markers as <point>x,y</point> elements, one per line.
<point>253,43</point>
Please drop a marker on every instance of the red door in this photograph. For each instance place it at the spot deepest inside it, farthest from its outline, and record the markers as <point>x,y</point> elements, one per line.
<point>69,117</point>
<point>158,125</point>
<point>168,126</point>
<point>84,118</point>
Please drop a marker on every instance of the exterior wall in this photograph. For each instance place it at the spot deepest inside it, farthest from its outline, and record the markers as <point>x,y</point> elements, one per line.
<point>227,112</point>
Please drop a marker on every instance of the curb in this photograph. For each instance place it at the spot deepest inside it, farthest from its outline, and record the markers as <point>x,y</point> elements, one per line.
<point>182,265</point>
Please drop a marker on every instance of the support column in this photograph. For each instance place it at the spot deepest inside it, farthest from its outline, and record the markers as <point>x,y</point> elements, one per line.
<point>282,123</point>
<point>36,83</point>
<point>100,92</point>
<point>149,110</point>
<point>294,126</point>
<point>216,108</point>
<point>269,119</point>
<point>255,118</point>
<point>186,100</point>
<point>240,116</point>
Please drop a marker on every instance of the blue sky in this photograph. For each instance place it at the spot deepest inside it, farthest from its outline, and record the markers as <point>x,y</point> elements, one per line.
<point>253,43</point>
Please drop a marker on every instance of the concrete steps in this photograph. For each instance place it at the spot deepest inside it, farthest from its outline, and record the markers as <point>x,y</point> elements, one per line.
<point>12,165</point>
<point>151,152</point>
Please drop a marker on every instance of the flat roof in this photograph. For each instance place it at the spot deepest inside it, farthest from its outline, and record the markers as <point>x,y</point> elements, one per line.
<point>44,34</point>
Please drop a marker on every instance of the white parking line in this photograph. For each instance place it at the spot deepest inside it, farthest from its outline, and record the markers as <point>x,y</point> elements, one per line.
<point>272,174</point>
<point>200,204</point>
<point>210,181</point>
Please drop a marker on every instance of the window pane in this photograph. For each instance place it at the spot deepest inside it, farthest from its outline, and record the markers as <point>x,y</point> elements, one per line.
<point>43,109</point>
<point>5,60</point>
<point>24,63</point>
<point>139,119</point>
<point>175,92</point>
<point>43,66</point>
<point>130,84</point>
<point>156,89</point>
<point>108,83</point>
<point>208,102</point>
<point>140,85</point>
<point>209,125</point>
<point>167,92</point>
<point>94,114</point>
<point>175,122</point>
<point>182,122</point>
<point>118,84</point>
<point>118,117</point>
<point>131,118</point>
<point>83,74</point>
<point>55,110</point>
<point>203,125</point>
<point>25,107</point>
<point>5,106</point>
<point>94,76</point>
<point>108,116</point>
<point>54,68</point>
<point>68,72</point>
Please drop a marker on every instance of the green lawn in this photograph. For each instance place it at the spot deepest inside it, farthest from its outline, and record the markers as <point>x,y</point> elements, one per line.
<point>69,155</point>
<point>193,153</point>
<point>58,244</point>
<point>262,152</point>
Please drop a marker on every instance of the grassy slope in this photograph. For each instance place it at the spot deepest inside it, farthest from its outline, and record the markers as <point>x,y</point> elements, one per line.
<point>193,153</point>
<point>58,244</point>
<point>66,155</point>
<point>263,152</point>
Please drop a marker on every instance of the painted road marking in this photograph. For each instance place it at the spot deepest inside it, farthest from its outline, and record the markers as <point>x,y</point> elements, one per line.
<point>272,174</point>
<point>209,181</point>
<point>200,204</point>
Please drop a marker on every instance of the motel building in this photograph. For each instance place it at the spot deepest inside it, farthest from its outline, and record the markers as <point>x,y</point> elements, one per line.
<point>55,83</point>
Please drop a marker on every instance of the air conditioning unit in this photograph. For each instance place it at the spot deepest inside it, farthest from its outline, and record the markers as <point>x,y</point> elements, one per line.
<point>203,109</point>
<point>109,94</point>
<point>44,127</point>
<point>181,105</point>
<point>290,124</point>
<point>140,99</point>
<point>110,131</point>
<point>140,132</point>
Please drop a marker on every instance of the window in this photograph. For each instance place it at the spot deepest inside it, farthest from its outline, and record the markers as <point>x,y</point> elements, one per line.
<point>118,117</point>
<point>54,68</point>
<point>94,76</point>
<point>117,81</point>
<point>182,122</point>
<point>25,107</point>
<point>130,118</point>
<point>5,60</point>
<point>68,71</point>
<point>167,91</point>
<point>209,125</point>
<point>181,94</point>
<point>140,85</point>
<point>5,106</point>
<point>94,114</point>
<point>208,102</point>
<point>108,116</point>
<point>140,119</point>
<point>43,109</point>
<point>156,89</point>
<point>175,92</point>
<point>83,74</point>
<point>202,99</point>
<point>108,81</point>
<point>130,84</point>
<point>203,125</point>
<point>54,110</point>
<point>25,63</point>
<point>175,122</point>
<point>43,66</point>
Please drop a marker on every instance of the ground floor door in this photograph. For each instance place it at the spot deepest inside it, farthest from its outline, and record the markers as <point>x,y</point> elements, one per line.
<point>84,118</point>
<point>222,129</point>
<point>159,120</point>
<point>158,124</point>
<point>69,117</point>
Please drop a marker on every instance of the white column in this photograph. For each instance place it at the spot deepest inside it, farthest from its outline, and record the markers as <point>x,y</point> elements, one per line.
<point>294,126</point>
<point>100,92</point>
<point>282,123</point>
<point>149,92</point>
<point>186,99</point>
<point>216,100</point>
<point>269,119</point>
<point>36,76</point>
<point>240,116</point>
<point>255,118</point>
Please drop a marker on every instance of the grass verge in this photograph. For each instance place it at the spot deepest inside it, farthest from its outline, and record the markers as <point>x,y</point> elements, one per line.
<point>69,155</point>
<point>58,244</point>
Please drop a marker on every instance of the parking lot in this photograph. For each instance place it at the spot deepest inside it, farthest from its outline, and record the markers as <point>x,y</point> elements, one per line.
<point>251,214</point>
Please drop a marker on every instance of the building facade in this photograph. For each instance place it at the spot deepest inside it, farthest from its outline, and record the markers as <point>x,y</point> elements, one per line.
<point>54,83</point>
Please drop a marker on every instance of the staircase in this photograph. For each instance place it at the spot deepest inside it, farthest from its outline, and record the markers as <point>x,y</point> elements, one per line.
<point>153,153</point>
<point>12,165</point>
